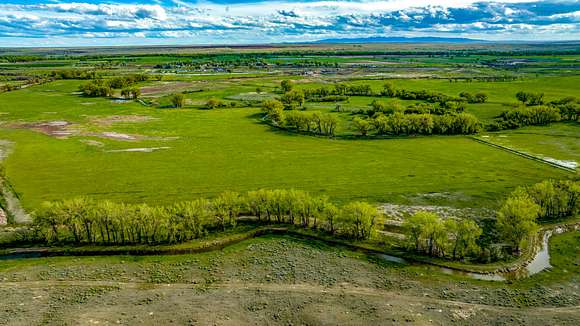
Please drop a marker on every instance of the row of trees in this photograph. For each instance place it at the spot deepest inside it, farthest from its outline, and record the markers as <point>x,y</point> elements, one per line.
<point>565,109</point>
<point>83,220</point>
<point>312,122</point>
<point>380,107</point>
<point>73,74</point>
<point>556,199</point>
<point>474,98</point>
<point>527,116</point>
<point>548,200</point>
<point>345,90</point>
<point>418,124</point>
<point>428,233</point>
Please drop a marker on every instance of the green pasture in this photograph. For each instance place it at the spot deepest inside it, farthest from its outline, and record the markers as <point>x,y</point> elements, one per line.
<point>231,149</point>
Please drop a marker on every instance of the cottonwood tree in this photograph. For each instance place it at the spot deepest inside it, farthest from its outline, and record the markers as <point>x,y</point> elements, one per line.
<point>360,220</point>
<point>178,100</point>
<point>464,235</point>
<point>516,220</point>
<point>361,125</point>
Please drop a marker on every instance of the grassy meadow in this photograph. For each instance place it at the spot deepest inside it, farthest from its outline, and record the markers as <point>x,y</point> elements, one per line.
<point>205,152</point>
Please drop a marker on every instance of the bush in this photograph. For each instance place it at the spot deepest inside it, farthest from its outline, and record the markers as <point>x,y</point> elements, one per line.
<point>178,100</point>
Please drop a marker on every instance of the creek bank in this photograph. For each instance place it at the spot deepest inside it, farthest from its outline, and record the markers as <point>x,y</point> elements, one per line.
<point>538,261</point>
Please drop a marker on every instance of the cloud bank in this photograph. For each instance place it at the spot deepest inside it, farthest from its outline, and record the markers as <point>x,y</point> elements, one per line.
<point>123,22</point>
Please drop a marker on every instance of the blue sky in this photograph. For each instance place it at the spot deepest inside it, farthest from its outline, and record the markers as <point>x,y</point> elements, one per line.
<point>131,22</point>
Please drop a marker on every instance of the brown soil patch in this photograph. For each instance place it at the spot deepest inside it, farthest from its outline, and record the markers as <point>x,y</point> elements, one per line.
<point>164,88</point>
<point>109,120</point>
<point>59,129</point>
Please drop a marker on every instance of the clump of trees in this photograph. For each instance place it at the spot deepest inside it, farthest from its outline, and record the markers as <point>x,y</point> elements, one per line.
<point>131,92</point>
<point>530,99</point>
<point>556,199</point>
<point>293,99</point>
<point>430,234</point>
<point>527,116</point>
<point>214,103</point>
<point>418,124</point>
<point>300,121</point>
<point>96,88</point>
<point>569,108</point>
<point>106,87</point>
<point>534,114</point>
<point>312,122</point>
<point>82,220</point>
<point>547,200</point>
<point>474,98</point>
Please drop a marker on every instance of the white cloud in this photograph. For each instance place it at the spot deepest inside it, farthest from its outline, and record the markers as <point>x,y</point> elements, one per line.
<point>283,20</point>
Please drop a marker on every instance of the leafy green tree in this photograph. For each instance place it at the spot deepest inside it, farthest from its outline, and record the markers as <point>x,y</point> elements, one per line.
<point>389,90</point>
<point>464,235</point>
<point>274,110</point>
<point>360,220</point>
<point>293,99</point>
<point>330,214</point>
<point>516,220</point>
<point>286,86</point>
<point>178,100</point>
<point>361,125</point>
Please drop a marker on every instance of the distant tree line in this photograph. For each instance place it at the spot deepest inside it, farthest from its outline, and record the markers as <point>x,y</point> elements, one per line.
<point>73,74</point>
<point>85,221</point>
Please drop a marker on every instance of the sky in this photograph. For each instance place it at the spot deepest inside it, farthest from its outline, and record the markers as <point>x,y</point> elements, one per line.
<point>196,22</point>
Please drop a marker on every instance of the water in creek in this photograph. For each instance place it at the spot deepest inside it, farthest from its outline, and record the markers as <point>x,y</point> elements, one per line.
<point>540,262</point>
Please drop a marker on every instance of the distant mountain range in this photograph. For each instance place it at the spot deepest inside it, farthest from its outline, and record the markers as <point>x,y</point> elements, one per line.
<point>401,40</point>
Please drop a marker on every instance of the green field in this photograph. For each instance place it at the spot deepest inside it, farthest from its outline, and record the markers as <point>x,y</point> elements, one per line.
<point>231,149</point>
<point>436,203</point>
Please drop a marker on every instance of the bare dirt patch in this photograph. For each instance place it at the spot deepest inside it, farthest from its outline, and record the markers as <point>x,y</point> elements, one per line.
<point>164,88</point>
<point>59,129</point>
<point>117,135</point>
<point>138,150</point>
<point>109,120</point>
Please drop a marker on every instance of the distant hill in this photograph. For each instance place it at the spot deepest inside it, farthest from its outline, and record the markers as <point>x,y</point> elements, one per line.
<point>401,40</point>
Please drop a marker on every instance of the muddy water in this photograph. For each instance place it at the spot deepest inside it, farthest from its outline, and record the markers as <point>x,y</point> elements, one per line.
<point>540,263</point>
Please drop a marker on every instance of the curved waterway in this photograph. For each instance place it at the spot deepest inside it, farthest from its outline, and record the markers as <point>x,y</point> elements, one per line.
<point>540,263</point>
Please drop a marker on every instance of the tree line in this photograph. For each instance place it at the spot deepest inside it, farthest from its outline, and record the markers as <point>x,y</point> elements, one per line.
<point>86,221</point>
<point>417,124</point>
<point>536,112</point>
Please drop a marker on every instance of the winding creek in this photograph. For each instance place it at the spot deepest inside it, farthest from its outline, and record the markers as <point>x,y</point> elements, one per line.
<point>539,263</point>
